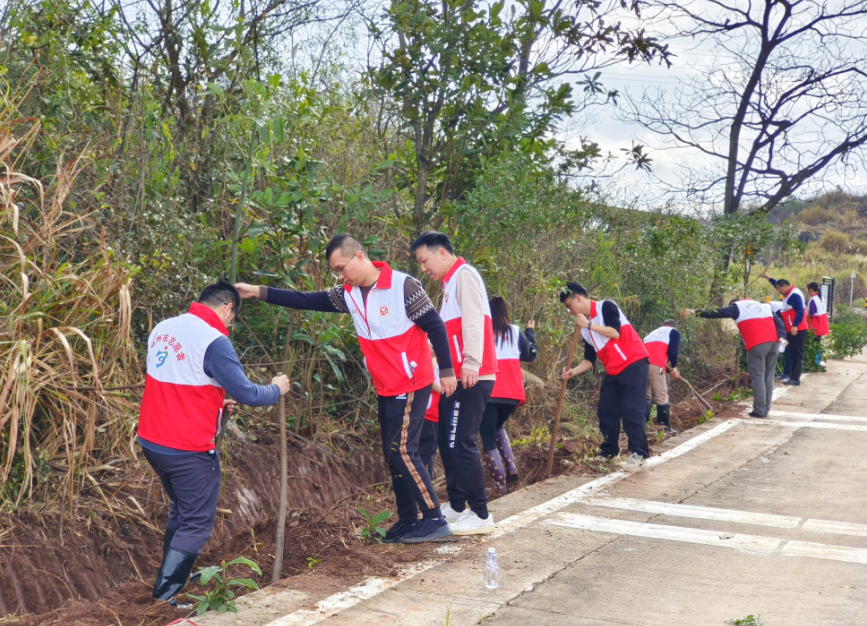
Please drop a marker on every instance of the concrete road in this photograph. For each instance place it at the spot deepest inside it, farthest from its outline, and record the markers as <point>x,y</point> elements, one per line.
<point>738,517</point>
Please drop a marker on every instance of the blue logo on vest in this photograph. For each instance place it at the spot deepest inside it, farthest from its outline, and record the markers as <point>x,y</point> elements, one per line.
<point>162,355</point>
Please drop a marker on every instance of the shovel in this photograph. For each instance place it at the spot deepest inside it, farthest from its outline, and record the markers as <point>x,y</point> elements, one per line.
<point>284,486</point>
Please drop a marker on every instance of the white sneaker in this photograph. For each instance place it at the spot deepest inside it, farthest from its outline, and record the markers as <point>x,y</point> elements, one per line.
<point>471,524</point>
<point>633,463</point>
<point>450,515</point>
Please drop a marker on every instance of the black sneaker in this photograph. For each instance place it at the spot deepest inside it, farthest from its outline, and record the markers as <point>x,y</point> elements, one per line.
<point>397,530</point>
<point>428,530</point>
<point>754,414</point>
<point>791,381</point>
<point>781,377</point>
<point>669,430</point>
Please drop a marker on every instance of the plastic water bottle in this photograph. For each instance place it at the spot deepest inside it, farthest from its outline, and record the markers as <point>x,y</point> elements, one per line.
<point>782,346</point>
<point>492,570</point>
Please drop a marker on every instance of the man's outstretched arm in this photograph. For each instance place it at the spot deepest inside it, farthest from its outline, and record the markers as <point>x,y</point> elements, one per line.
<point>330,301</point>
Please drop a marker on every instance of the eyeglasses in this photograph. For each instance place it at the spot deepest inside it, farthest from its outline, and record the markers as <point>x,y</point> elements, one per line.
<point>339,272</point>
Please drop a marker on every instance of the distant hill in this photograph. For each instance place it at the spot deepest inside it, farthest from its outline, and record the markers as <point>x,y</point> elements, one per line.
<point>837,221</point>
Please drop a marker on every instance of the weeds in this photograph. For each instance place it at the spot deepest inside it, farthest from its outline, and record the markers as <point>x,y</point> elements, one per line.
<point>221,598</point>
<point>373,529</point>
<point>311,562</point>
<point>749,620</point>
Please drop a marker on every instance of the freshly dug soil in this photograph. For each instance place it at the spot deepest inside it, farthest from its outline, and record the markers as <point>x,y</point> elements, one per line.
<point>96,568</point>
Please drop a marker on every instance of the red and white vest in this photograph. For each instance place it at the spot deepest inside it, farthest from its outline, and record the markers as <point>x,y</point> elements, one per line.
<point>788,312</point>
<point>451,314</point>
<point>510,380</point>
<point>615,354</point>
<point>433,404</point>
<point>657,345</point>
<point>181,406</point>
<point>819,321</point>
<point>395,349</point>
<point>756,323</point>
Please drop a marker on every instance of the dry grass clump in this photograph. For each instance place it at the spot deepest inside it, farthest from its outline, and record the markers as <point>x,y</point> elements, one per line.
<point>64,331</point>
<point>835,242</point>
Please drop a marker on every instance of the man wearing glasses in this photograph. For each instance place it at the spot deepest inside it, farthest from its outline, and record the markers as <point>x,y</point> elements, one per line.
<point>191,364</point>
<point>393,318</point>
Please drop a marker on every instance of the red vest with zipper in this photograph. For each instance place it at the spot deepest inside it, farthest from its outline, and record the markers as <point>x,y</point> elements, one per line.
<point>756,323</point>
<point>819,321</point>
<point>395,349</point>
<point>657,346</point>
<point>788,312</point>
<point>615,354</point>
<point>181,405</point>
<point>510,381</point>
<point>451,314</point>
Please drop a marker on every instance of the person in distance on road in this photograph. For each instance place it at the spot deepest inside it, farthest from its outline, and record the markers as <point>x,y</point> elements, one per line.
<point>610,337</point>
<point>761,330</point>
<point>191,364</point>
<point>795,319</point>
<point>663,346</point>
<point>391,312</point>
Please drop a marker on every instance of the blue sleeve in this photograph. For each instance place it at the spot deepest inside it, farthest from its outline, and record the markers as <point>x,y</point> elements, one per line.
<point>222,364</point>
<point>797,303</point>
<point>812,308</point>
<point>726,312</point>
<point>673,347</point>
<point>779,325</point>
<point>773,282</point>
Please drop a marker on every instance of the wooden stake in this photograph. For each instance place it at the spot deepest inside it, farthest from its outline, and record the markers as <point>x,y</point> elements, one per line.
<point>549,467</point>
<point>284,487</point>
<point>697,397</point>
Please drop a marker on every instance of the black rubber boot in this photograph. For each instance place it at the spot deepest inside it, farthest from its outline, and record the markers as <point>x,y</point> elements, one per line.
<point>505,448</point>
<point>648,404</point>
<point>498,473</point>
<point>663,418</point>
<point>174,573</point>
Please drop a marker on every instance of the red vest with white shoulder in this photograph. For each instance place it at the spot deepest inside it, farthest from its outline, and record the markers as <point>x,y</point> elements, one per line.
<point>788,312</point>
<point>819,321</point>
<point>432,414</point>
<point>657,345</point>
<point>452,316</point>
<point>395,349</point>
<point>181,406</point>
<point>510,380</point>
<point>756,323</point>
<point>615,354</point>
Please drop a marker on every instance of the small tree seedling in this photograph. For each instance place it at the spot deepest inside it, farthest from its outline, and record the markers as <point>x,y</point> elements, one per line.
<point>221,598</point>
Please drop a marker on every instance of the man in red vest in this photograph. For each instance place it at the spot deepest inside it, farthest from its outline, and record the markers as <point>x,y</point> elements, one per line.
<point>391,313</point>
<point>467,315</point>
<point>817,317</point>
<point>663,346</point>
<point>191,364</point>
<point>794,314</point>
<point>761,331</point>
<point>610,337</point>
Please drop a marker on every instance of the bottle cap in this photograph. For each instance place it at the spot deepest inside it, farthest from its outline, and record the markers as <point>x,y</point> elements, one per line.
<point>491,550</point>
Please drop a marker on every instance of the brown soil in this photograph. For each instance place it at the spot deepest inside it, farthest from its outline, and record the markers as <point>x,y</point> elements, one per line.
<point>96,567</point>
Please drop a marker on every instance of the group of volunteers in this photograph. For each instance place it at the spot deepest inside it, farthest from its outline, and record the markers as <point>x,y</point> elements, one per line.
<point>443,377</point>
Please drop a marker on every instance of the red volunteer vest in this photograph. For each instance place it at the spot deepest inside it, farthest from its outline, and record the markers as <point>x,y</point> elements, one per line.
<point>615,354</point>
<point>788,312</point>
<point>657,345</point>
<point>451,314</point>
<point>433,412</point>
<point>181,406</point>
<point>395,349</point>
<point>510,380</point>
<point>756,323</point>
<point>819,321</point>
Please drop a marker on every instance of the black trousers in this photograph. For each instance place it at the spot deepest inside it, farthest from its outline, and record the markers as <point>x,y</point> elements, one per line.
<point>401,419</point>
<point>460,418</point>
<point>427,444</point>
<point>621,399</point>
<point>496,414</point>
<point>192,482</point>
<point>795,355</point>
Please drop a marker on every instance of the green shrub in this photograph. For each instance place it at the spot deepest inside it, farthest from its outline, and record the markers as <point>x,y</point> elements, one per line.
<point>848,334</point>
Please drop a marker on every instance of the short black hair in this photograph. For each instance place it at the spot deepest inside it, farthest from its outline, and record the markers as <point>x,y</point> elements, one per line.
<point>671,323</point>
<point>433,240</point>
<point>813,287</point>
<point>784,283</point>
<point>219,293</point>
<point>347,244</point>
<point>573,289</point>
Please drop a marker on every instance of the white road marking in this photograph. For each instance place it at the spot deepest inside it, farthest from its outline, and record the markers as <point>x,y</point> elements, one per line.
<point>822,551</point>
<point>748,543</point>
<point>819,425</point>
<point>839,528</point>
<point>697,512</point>
<point>818,416</point>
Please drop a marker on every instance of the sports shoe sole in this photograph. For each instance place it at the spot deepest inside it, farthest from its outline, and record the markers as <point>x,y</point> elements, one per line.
<point>481,530</point>
<point>441,533</point>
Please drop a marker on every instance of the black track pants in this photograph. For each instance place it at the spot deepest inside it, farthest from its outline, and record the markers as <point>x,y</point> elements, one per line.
<point>401,419</point>
<point>427,444</point>
<point>621,399</point>
<point>496,414</point>
<point>795,354</point>
<point>192,482</point>
<point>460,418</point>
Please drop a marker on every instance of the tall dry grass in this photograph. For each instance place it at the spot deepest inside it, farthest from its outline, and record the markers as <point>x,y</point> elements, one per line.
<point>64,330</point>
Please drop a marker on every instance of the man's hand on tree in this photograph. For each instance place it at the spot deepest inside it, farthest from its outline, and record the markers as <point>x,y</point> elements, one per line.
<point>247,291</point>
<point>282,381</point>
